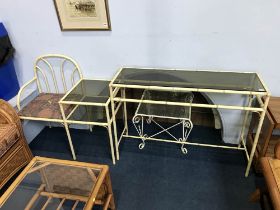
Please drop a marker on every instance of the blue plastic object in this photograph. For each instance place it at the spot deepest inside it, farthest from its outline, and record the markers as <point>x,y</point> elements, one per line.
<point>9,86</point>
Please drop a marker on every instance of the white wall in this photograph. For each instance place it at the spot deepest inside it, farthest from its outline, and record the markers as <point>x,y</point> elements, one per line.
<point>196,34</point>
<point>217,34</point>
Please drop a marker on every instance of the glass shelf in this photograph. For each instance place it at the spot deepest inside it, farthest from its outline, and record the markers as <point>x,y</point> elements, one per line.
<point>162,110</point>
<point>87,92</point>
<point>96,91</point>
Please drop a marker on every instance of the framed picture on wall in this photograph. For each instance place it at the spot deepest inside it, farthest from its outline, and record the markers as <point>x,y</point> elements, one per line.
<point>83,14</point>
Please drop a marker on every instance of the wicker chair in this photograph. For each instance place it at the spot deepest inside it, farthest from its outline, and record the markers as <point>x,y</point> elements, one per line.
<point>270,167</point>
<point>14,151</point>
<point>54,75</point>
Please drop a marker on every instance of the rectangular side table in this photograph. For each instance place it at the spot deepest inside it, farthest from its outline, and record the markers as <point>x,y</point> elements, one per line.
<point>90,101</point>
<point>48,183</point>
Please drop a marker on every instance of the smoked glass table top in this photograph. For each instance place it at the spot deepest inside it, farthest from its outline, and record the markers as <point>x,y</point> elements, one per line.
<point>47,183</point>
<point>95,91</point>
<point>236,81</point>
<point>89,114</point>
<point>88,92</point>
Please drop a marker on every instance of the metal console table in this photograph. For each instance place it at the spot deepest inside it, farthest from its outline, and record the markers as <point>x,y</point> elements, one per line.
<point>245,84</point>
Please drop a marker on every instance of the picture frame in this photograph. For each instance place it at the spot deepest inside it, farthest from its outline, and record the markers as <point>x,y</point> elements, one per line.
<point>83,14</point>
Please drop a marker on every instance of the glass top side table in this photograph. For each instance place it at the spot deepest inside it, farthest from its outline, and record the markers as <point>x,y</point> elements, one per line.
<point>48,183</point>
<point>89,101</point>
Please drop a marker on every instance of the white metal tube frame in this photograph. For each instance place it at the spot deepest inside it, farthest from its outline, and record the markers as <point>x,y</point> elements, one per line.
<point>115,88</point>
<point>67,121</point>
<point>39,71</point>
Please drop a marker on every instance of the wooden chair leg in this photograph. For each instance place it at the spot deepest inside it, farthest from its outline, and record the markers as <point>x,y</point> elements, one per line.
<point>110,192</point>
<point>255,196</point>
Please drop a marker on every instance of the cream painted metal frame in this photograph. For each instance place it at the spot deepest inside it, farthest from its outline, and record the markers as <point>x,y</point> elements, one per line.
<point>41,78</point>
<point>118,95</point>
<point>89,94</point>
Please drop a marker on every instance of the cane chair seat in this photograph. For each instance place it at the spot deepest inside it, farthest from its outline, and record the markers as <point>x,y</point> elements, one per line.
<point>8,137</point>
<point>45,105</point>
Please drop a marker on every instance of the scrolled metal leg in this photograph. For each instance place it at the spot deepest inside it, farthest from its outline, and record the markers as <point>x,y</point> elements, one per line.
<point>136,120</point>
<point>142,145</point>
<point>183,146</point>
<point>184,150</point>
<point>187,128</point>
<point>138,123</point>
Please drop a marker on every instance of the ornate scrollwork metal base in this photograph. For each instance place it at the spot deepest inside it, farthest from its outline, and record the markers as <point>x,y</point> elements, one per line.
<point>139,121</point>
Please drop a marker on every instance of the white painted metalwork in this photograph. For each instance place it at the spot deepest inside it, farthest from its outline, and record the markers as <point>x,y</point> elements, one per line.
<point>83,102</point>
<point>146,117</point>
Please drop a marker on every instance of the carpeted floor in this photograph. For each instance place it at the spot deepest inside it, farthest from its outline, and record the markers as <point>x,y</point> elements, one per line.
<point>160,177</point>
